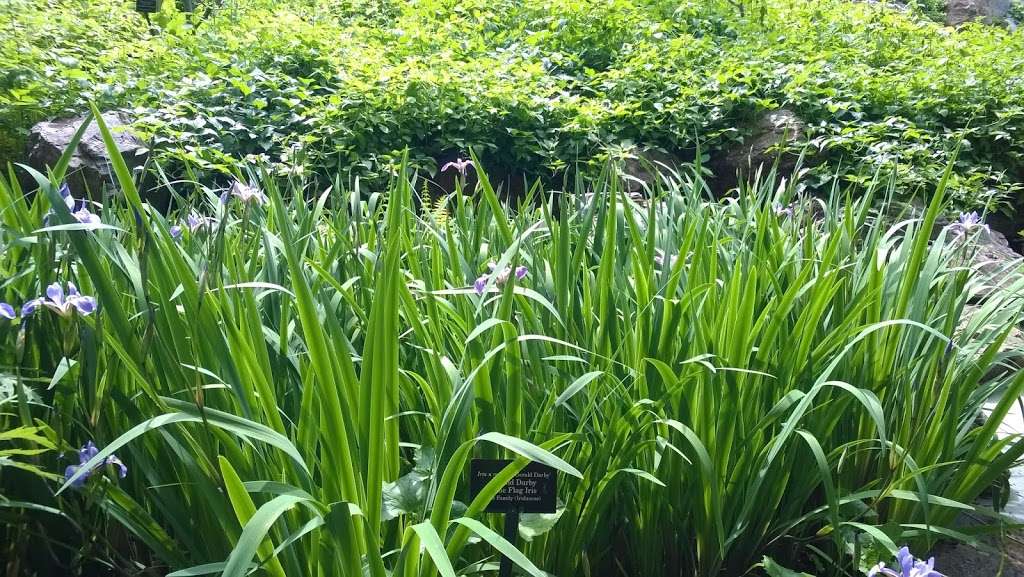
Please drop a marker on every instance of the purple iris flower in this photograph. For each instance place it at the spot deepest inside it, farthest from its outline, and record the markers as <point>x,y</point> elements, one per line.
<point>65,193</point>
<point>196,222</point>
<point>78,209</point>
<point>83,216</point>
<point>909,566</point>
<point>175,231</point>
<point>970,218</point>
<point>480,285</point>
<point>247,194</point>
<point>967,222</point>
<point>460,165</point>
<point>64,305</point>
<point>88,452</point>
<point>7,311</point>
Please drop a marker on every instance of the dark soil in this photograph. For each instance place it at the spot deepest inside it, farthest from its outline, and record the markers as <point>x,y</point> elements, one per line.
<point>958,560</point>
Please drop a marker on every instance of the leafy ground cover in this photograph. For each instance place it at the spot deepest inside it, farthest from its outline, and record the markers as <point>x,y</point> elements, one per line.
<point>724,387</point>
<point>328,87</point>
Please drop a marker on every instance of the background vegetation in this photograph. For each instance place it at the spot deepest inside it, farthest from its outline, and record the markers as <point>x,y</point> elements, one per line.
<point>328,86</point>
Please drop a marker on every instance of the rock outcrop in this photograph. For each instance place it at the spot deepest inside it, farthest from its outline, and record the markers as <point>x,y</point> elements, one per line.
<point>988,11</point>
<point>90,170</point>
<point>997,266</point>
<point>644,167</point>
<point>765,144</point>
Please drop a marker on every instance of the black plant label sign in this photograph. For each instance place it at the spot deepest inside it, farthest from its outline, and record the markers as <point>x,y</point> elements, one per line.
<point>532,490</point>
<point>147,6</point>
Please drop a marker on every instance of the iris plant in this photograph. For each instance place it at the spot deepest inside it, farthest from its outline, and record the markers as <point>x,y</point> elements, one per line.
<point>87,452</point>
<point>461,165</point>
<point>247,194</point>
<point>62,304</point>
<point>909,566</point>
<point>500,278</point>
<point>968,222</point>
<point>196,222</point>
<point>79,209</point>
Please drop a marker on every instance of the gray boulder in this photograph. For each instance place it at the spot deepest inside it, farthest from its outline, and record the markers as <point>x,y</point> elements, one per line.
<point>766,142</point>
<point>90,169</point>
<point>899,5</point>
<point>988,11</point>
<point>997,266</point>
<point>644,167</point>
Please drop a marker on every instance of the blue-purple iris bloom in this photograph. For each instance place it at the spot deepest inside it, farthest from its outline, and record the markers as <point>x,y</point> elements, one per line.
<point>500,278</point>
<point>7,312</point>
<point>970,218</point>
<point>63,304</point>
<point>908,565</point>
<point>195,222</point>
<point>968,222</point>
<point>461,165</point>
<point>79,208</point>
<point>780,210</point>
<point>88,452</point>
<point>247,194</point>
<point>480,284</point>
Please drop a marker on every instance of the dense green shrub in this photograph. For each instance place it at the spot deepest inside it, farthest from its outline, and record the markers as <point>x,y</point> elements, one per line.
<point>54,55</point>
<point>324,86</point>
<point>898,93</point>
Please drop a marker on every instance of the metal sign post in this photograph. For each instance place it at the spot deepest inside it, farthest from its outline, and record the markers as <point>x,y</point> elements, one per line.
<point>148,6</point>
<point>533,490</point>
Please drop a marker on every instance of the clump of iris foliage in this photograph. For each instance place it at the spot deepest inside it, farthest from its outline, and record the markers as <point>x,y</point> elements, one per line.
<point>327,87</point>
<point>724,387</point>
